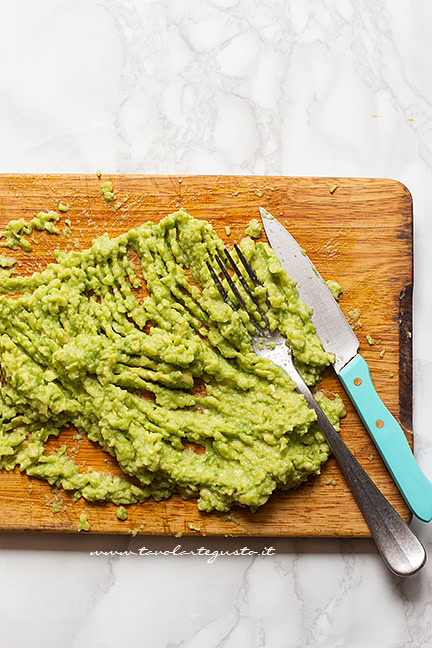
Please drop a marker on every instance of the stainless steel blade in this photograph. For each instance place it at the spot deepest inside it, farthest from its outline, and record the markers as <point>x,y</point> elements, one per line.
<point>332,328</point>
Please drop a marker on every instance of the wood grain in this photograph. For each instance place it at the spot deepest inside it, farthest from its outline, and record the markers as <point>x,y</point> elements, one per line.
<point>360,235</point>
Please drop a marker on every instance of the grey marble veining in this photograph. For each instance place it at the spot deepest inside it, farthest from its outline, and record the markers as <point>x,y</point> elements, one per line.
<point>224,86</point>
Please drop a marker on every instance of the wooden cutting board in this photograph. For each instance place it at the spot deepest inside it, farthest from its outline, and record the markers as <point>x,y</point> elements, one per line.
<point>360,234</point>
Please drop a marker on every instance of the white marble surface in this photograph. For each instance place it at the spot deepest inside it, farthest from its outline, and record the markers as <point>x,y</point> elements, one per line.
<point>222,86</point>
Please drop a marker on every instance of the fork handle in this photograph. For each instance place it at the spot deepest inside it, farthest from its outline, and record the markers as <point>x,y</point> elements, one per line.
<point>400,549</point>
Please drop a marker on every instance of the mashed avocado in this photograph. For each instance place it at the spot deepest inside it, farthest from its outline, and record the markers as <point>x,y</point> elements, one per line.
<point>14,236</point>
<point>107,192</point>
<point>83,524</point>
<point>254,229</point>
<point>335,288</point>
<point>130,342</point>
<point>121,513</point>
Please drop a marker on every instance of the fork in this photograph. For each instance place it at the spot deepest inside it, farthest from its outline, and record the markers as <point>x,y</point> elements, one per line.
<point>400,549</point>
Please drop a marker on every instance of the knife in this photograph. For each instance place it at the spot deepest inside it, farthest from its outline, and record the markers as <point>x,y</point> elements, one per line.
<point>337,337</point>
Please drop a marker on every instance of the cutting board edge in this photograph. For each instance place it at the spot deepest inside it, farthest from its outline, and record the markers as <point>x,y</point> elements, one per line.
<point>194,534</point>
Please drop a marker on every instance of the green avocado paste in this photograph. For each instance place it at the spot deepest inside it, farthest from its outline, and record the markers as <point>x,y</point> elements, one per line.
<point>254,229</point>
<point>121,513</point>
<point>83,524</point>
<point>130,343</point>
<point>107,192</point>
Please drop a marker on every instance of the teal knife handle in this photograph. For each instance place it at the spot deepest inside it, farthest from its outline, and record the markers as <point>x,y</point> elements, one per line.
<point>388,437</point>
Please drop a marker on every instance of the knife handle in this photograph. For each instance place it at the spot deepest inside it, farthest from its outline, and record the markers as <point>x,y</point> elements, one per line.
<point>388,437</point>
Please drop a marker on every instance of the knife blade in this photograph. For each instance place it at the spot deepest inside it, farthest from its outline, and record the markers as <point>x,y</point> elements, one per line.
<point>338,338</point>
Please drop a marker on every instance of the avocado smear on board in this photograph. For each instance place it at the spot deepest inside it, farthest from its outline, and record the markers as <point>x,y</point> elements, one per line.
<point>153,377</point>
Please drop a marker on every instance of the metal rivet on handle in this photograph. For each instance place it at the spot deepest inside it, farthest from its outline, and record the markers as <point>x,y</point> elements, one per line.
<point>379,423</point>
<point>357,381</point>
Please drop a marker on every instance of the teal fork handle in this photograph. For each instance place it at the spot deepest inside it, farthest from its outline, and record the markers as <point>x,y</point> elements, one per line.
<point>388,437</point>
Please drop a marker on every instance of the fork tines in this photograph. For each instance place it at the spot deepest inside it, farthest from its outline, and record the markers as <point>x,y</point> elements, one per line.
<point>240,301</point>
